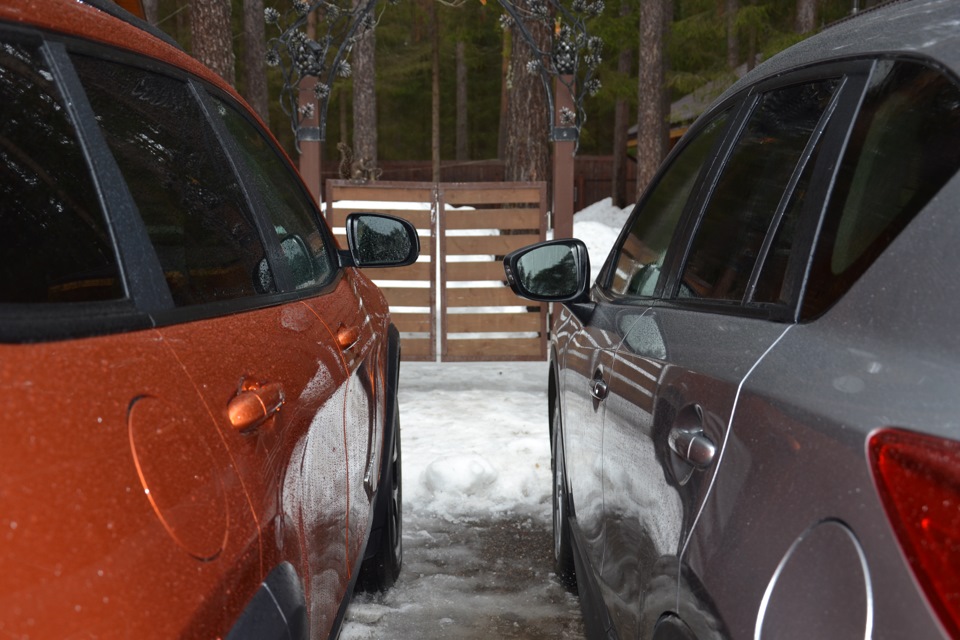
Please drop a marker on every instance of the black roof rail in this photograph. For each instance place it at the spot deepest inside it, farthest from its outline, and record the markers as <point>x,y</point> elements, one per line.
<point>115,10</point>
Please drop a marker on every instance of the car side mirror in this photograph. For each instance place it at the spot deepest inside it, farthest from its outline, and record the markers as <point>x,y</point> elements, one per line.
<point>378,240</point>
<point>553,271</point>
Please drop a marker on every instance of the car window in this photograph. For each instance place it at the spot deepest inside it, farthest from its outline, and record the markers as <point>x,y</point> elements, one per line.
<point>286,205</point>
<point>55,244</point>
<point>190,202</point>
<point>903,148</point>
<point>639,258</point>
<point>749,191</point>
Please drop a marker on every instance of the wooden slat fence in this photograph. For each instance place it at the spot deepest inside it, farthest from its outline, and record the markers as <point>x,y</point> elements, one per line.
<point>411,291</point>
<point>457,305</point>
<point>479,224</point>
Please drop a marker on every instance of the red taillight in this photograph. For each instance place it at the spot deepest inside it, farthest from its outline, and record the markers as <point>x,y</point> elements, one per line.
<point>918,478</point>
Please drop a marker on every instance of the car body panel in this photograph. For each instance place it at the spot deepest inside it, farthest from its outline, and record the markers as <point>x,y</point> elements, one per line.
<point>803,416</point>
<point>112,462</point>
<point>284,460</point>
<point>587,361</point>
<point>674,370</point>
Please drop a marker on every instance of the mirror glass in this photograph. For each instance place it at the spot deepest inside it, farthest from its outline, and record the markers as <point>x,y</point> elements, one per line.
<point>550,272</point>
<point>380,241</point>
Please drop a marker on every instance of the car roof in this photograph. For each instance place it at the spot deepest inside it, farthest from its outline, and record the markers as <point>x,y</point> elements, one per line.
<point>927,28</point>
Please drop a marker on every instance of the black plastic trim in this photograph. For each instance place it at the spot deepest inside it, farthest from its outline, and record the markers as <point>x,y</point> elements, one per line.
<point>277,611</point>
<point>50,322</point>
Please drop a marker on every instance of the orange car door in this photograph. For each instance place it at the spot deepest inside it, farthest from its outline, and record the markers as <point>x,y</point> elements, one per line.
<point>117,487</point>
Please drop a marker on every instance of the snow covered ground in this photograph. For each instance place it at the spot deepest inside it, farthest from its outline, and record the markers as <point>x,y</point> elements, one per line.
<point>476,490</point>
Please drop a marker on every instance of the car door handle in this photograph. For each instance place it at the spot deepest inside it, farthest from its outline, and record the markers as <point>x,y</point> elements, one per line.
<point>347,336</point>
<point>693,446</point>
<point>598,388</point>
<point>254,404</point>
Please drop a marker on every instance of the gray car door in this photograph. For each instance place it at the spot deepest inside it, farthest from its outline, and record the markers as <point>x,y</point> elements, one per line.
<point>681,362</point>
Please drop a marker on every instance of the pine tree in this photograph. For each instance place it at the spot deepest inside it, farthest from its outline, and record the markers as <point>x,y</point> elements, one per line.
<point>211,38</point>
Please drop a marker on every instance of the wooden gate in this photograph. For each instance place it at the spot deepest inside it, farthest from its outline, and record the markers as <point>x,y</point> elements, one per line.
<point>454,303</point>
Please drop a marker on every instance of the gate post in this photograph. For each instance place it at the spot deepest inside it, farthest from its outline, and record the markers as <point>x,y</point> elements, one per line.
<point>564,137</point>
<point>309,142</point>
<point>308,139</point>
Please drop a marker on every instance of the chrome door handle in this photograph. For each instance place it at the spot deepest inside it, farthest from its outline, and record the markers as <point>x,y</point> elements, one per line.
<point>693,446</point>
<point>598,389</point>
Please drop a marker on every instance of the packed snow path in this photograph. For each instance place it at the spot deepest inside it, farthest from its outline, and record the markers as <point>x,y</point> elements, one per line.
<point>478,556</point>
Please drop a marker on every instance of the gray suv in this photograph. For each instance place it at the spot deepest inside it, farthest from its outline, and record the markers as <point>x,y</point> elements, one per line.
<point>755,409</point>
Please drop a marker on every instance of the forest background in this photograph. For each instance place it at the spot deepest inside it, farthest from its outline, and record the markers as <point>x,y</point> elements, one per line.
<point>654,53</point>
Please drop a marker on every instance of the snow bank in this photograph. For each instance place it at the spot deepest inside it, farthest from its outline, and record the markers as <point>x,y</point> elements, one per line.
<point>475,441</point>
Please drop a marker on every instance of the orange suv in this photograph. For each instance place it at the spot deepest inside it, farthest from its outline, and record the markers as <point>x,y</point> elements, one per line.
<point>202,436</point>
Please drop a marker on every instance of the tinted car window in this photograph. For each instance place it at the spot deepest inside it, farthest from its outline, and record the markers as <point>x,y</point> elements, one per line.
<point>749,192</point>
<point>904,146</point>
<point>180,179</point>
<point>287,207</point>
<point>55,245</point>
<point>640,257</point>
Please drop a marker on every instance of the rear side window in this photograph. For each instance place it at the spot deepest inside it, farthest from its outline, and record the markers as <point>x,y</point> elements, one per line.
<point>291,214</point>
<point>639,259</point>
<point>751,190</point>
<point>904,147</point>
<point>188,197</point>
<point>55,245</point>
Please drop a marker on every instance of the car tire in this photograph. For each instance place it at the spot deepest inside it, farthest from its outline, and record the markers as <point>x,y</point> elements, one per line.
<point>562,546</point>
<point>384,558</point>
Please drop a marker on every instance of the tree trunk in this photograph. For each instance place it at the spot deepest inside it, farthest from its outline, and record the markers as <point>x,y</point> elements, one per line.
<point>463,130</point>
<point>344,107</point>
<point>435,90</point>
<point>504,94</point>
<point>212,43</point>
<point>364,98</point>
<point>254,53</point>
<point>527,156</point>
<point>621,118</point>
<point>150,11</point>
<point>652,130</point>
<point>733,42</point>
<point>806,15</point>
